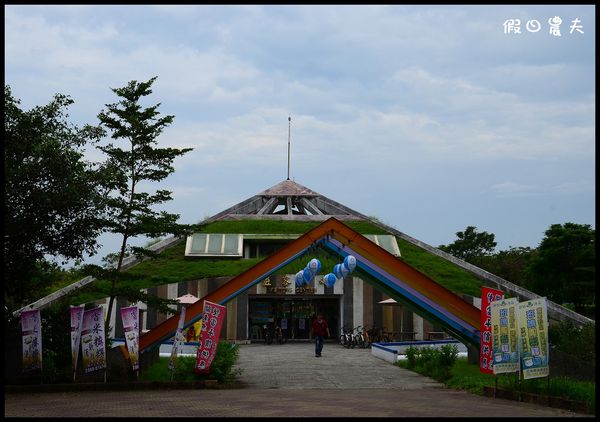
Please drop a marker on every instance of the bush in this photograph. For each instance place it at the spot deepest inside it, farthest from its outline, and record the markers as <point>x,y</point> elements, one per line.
<point>579,342</point>
<point>221,369</point>
<point>432,362</point>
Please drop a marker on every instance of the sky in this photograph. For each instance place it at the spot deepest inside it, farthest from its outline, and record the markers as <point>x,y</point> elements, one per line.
<point>430,118</point>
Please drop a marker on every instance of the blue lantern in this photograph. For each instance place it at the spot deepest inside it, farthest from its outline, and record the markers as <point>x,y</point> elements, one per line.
<point>307,276</point>
<point>329,279</point>
<point>299,278</point>
<point>345,271</point>
<point>314,266</point>
<point>337,270</point>
<point>350,263</point>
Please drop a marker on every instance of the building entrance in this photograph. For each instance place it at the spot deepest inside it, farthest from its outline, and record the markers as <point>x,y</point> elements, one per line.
<point>293,314</point>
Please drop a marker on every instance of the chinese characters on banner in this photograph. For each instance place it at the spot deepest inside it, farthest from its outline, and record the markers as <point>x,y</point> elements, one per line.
<point>505,335</point>
<point>488,295</point>
<point>131,317</point>
<point>92,340</point>
<point>212,319</point>
<point>76,322</point>
<point>178,340</point>
<point>31,330</point>
<point>533,323</point>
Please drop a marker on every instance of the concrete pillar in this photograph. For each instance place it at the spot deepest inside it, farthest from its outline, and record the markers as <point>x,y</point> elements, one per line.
<point>357,301</point>
<point>418,327</point>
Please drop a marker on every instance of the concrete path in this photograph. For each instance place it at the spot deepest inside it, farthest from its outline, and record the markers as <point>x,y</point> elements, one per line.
<point>288,381</point>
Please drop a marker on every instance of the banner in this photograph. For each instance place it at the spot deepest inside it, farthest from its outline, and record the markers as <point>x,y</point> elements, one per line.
<point>31,331</point>
<point>177,340</point>
<point>488,295</point>
<point>212,319</point>
<point>76,322</point>
<point>131,324</point>
<point>533,324</point>
<point>505,335</point>
<point>92,340</point>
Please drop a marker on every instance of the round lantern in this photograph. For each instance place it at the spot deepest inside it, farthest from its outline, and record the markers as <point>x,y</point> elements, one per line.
<point>314,266</point>
<point>307,276</point>
<point>350,263</point>
<point>299,278</point>
<point>337,270</point>
<point>329,279</point>
<point>345,271</point>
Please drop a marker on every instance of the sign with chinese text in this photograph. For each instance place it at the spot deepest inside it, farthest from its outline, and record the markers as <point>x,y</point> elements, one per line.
<point>533,325</point>
<point>488,295</point>
<point>31,331</point>
<point>177,340</point>
<point>76,322</point>
<point>92,340</point>
<point>131,320</point>
<point>212,319</point>
<point>505,335</point>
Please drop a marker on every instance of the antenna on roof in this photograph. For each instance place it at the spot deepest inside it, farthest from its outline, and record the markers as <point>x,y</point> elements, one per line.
<point>289,130</point>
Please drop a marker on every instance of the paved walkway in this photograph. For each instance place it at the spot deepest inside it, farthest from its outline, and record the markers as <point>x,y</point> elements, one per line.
<point>287,380</point>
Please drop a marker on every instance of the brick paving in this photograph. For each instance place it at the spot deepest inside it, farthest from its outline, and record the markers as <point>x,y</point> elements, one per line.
<point>287,380</point>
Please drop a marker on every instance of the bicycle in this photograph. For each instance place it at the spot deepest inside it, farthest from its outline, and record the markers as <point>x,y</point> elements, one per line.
<point>281,339</point>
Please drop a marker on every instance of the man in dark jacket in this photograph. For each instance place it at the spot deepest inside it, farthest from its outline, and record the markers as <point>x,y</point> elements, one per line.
<point>320,330</point>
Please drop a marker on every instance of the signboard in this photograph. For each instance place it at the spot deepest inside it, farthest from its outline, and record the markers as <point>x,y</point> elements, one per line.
<point>92,340</point>
<point>31,331</point>
<point>76,323</point>
<point>488,295</point>
<point>533,326</point>
<point>505,335</point>
<point>131,319</point>
<point>212,319</point>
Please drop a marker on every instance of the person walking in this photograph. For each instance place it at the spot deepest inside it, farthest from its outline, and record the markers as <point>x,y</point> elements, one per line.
<point>320,330</point>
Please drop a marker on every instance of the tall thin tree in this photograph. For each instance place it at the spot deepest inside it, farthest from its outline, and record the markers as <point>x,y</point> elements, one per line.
<point>131,210</point>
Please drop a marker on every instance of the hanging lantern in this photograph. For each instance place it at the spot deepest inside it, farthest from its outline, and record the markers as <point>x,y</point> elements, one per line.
<point>299,278</point>
<point>307,276</point>
<point>350,263</point>
<point>345,271</point>
<point>314,266</point>
<point>329,279</point>
<point>337,270</point>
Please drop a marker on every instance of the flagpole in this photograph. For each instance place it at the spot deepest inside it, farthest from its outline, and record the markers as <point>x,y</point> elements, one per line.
<point>289,131</point>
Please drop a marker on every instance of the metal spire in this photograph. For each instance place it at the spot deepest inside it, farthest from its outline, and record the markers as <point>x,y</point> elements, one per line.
<point>289,130</point>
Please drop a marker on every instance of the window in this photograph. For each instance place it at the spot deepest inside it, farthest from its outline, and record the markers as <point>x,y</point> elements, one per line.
<point>214,244</point>
<point>386,241</point>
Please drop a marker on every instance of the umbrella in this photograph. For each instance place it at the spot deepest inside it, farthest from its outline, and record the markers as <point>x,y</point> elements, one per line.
<point>187,299</point>
<point>389,301</point>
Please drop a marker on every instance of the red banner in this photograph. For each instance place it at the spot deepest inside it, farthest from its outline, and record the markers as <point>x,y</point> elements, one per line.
<point>488,295</point>
<point>212,318</point>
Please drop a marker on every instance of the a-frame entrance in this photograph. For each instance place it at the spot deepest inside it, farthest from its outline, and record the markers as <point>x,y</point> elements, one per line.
<point>397,279</point>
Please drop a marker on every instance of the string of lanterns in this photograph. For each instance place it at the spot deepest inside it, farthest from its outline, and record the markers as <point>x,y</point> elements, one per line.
<point>307,275</point>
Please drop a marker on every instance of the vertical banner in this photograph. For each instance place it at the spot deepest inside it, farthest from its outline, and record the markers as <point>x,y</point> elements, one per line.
<point>533,324</point>
<point>505,335</point>
<point>76,323</point>
<point>31,331</point>
<point>131,327</point>
<point>212,319</point>
<point>178,340</point>
<point>92,340</point>
<point>488,295</point>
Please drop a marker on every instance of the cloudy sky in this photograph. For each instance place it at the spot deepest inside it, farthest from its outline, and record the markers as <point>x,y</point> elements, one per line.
<point>431,118</point>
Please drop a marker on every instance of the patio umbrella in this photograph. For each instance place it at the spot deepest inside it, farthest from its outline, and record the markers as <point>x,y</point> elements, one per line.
<point>187,299</point>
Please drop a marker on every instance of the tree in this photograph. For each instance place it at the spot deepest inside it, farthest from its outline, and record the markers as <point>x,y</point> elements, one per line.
<point>132,211</point>
<point>509,264</point>
<point>53,203</point>
<point>564,267</point>
<point>470,244</point>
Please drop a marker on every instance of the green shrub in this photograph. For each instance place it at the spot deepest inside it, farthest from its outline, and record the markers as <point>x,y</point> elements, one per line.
<point>222,368</point>
<point>432,362</point>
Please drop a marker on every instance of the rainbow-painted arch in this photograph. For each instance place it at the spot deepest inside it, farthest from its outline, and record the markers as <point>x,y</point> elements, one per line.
<point>397,279</point>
